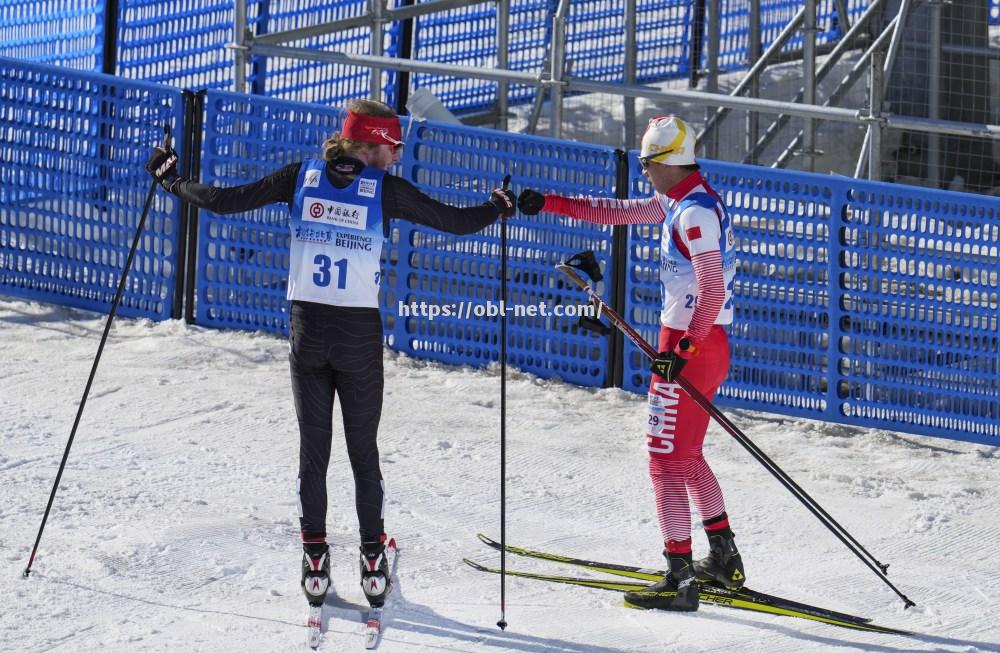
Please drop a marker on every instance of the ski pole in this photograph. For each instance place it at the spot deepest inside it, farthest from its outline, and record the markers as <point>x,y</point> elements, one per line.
<point>100,349</point>
<point>878,568</point>
<point>502,623</point>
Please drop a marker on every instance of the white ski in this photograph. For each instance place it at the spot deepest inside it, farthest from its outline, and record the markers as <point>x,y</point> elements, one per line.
<point>373,625</point>
<point>314,624</point>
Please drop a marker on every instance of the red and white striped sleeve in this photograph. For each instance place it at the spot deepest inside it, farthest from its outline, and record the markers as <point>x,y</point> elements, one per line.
<point>700,231</point>
<point>600,210</point>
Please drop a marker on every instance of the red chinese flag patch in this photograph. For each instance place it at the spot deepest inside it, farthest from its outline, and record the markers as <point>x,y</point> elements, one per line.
<point>694,233</point>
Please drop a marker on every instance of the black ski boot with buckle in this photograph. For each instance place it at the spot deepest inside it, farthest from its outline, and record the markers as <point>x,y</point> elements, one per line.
<point>678,590</point>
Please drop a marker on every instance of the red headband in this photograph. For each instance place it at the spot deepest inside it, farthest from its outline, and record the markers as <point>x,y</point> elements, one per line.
<point>371,129</point>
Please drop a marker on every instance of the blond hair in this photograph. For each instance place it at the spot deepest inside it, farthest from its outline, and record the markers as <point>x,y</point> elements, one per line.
<point>337,146</point>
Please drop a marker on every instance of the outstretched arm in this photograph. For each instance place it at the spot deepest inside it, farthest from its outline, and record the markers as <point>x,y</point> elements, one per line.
<point>404,200</point>
<point>279,186</point>
<point>597,210</point>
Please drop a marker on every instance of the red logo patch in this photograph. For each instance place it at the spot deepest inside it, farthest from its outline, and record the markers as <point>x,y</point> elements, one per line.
<point>316,210</point>
<point>694,233</point>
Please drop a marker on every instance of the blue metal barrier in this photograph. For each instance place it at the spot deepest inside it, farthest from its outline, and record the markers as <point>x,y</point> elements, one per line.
<point>461,165</point>
<point>243,259</point>
<point>183,43</point>
<point>317,82</point>
<point>72,187</point>
<point>467,36</point>
<point>856,302</point>
<point>69,33</point>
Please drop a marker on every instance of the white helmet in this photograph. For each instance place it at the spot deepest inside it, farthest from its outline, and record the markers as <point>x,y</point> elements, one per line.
<point>668,140</point>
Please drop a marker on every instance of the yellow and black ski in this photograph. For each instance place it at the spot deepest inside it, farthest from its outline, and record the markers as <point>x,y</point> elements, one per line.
<point>745,599</point>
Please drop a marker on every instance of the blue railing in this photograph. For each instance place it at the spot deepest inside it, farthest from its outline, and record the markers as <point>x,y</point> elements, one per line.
<point>244,258</point>
<point>856,302</point>
<point>183,43</point>
<point>72,187</point>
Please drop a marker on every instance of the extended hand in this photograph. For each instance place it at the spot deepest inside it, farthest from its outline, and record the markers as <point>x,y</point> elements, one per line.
<point>162,166</point>
<point>530,202</point>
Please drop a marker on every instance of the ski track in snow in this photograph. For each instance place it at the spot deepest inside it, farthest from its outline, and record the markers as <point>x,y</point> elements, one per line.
<point>175,526</point>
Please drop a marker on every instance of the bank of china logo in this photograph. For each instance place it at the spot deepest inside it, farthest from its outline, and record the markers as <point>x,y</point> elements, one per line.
<point>316,210</point>
<point>366,187</point>
<point>312,178</point>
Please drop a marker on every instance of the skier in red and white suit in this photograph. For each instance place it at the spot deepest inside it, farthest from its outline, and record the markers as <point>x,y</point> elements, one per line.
<point>697,267</point>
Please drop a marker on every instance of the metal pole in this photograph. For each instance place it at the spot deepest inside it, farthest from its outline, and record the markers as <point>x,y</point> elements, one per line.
<point>671,96</point>
<point>631,57</point>
<point>503,60</point>
<point>809,83</point>
<point>873,140</point>
<point>714,22</point>
<point>239,47</point>
<point>755,71</point>
<point>558,61</point>
<point>753,49</point>
<point>842,15</point>
<point>897,40</point>
<point>875,109</point>
<point>377,10</point>
<point>845,44</point>
<point>934,96</point>
<point>845,85</point>
<point>115,302</point>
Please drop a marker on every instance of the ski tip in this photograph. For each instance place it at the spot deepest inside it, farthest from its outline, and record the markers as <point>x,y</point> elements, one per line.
<point>391,544</point>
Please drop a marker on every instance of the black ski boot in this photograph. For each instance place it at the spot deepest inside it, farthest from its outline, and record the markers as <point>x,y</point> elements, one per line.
<point>678,590</point>
<point>375,579</point>
<point>723,564</point>
<point>315,571</point>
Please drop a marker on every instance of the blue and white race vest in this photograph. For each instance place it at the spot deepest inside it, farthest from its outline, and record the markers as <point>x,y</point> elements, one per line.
<point>336,238</point>
<point>680,288</point>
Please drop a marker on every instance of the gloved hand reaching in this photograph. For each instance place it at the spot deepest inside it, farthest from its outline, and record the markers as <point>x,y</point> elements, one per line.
<point>668,364</point>
<point>162,166</point>
<point>530,202</point>
<point>503,199</point>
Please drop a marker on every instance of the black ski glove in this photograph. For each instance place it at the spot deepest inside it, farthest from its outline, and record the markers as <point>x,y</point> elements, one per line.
<point>162,166</point>
<point>530,202</point>
<point>668,364</point>
<point>504,200</point>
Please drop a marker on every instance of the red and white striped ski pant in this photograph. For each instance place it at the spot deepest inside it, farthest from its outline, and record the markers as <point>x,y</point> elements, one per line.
<point>675,432</point>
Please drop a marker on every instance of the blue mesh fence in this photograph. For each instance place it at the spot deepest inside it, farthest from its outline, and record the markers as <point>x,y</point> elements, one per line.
<point>467,36</point>
<point>663,37</point>
<point>243,259</point>
<point>64,32</point>
<point>460,165</point>
<point>856,302</point>
<point>72,188</point>
<point>734,49</point>
<point>919,343</point>
<point>318,82</point>
<point>181,43</point>
<point>994,12</point>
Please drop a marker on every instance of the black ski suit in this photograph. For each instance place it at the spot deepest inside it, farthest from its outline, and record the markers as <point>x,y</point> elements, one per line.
<point>338,349</point>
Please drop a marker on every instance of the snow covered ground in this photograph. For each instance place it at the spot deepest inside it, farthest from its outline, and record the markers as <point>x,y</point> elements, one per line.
<point>175,525</point>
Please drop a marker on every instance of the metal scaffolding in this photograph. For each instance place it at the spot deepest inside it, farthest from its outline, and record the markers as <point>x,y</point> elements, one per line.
<point>879,47</point>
